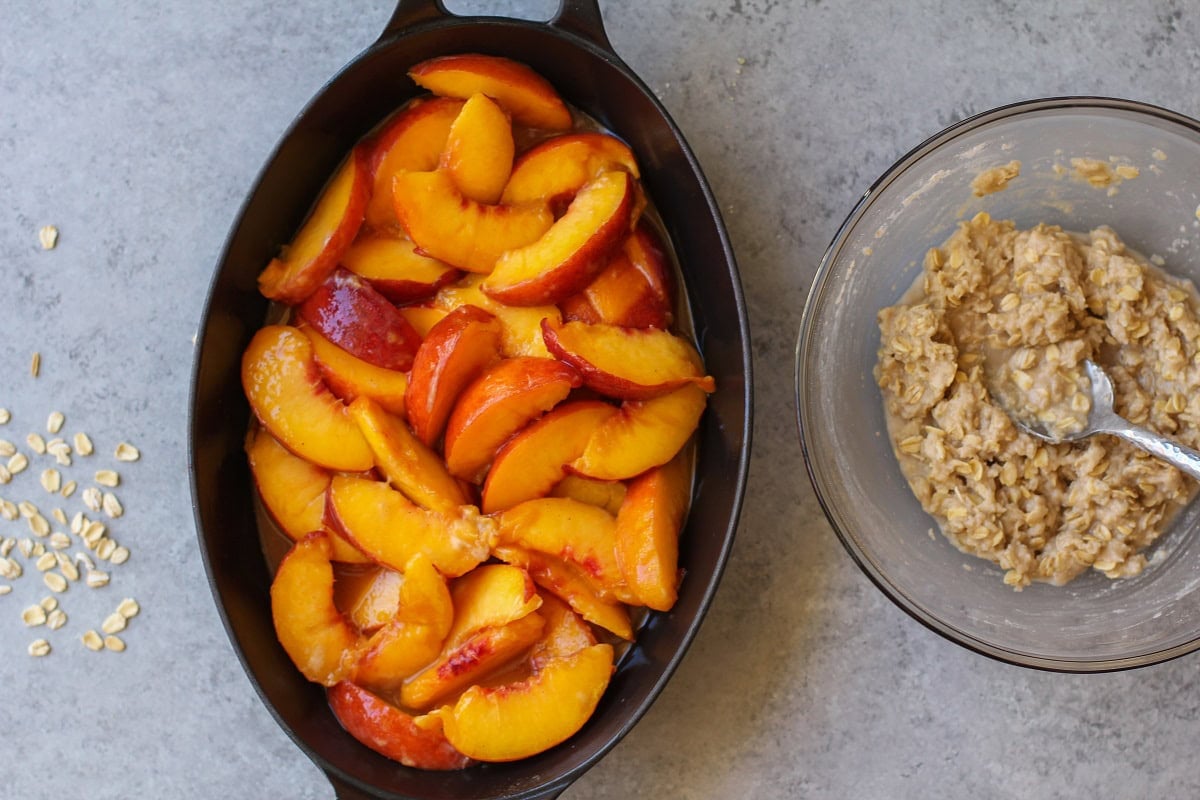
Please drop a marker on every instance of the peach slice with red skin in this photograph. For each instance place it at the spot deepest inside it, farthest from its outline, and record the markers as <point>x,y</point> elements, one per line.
<point>323,237</point>
<point>517,720</point>
<point>490,596</point>
<point>349,312</point>
<point>556,169</point>
<point>500,402</point>
<point>634,290</point>
<point>414,636</point>
<point>286,393</point>
<point>395,268</point>
<point>389,528</point>
<point>479,150</point>
<point>571,585</point>
<point>370,597</point>
<point>293,492</point>
<point>462,232</point>
<point>317,637</point>
<point>644,434</point>
<point>455,352</point>
<point>467,663</point>
<point>415,742</point>
<point>647,532</point>
<point>407,463</point>
<point>627,363</point>
<point>580,534</point>
<point>566,258</point>
<point>533,461</point>
<point>412,140</point>
<point>350,377</point>
<point>519,90</point>
<point>522,326</point>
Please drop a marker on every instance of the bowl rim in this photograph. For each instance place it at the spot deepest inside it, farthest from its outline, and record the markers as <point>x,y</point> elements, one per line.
<point>805,338</point>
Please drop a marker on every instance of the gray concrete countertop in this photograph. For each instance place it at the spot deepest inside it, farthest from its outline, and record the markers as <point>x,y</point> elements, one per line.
<point>137,128</point>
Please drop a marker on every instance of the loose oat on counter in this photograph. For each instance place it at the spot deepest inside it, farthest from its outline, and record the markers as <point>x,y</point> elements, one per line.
<point>1012,314</point>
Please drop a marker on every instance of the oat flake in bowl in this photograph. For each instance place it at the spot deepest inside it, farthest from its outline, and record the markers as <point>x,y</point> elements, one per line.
<point>1003,318</point>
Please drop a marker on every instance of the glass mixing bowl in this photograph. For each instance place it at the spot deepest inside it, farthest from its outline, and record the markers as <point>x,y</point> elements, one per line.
<point>1093,623</point>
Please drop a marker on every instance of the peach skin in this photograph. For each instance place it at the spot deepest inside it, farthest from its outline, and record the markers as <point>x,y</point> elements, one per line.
<point>577,246</point>
<point>533,461</point>
<point>500,402</point>
<point>521,326</point>
<point>352,314</point>
<point>456,351</point>
<point>349,377</point>
<point>556,169</point>
<point>395,268</point>
<point>627,363</point>
<point>324,236</point>
<point>411,141</point>
<point>414,742</point>
<point>523,93</point>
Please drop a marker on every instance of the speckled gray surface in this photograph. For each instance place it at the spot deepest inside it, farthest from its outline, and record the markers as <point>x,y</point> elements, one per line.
<point>136,128</point>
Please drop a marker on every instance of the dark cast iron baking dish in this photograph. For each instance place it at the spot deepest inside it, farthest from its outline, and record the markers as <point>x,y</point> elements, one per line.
<point>573,52</point>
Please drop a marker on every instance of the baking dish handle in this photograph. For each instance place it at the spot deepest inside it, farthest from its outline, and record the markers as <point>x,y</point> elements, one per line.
<point>579,17</point>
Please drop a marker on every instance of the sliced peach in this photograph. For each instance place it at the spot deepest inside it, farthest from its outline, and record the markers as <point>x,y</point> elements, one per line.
<point>645,434</point>
<point>293,492</point>
<point>490,596</point>
<point>457,230</point>
<point>533,461</point>
<point>633,290</point>
<point>369,598</point>
<point>500,402</point>
<point>627,363</point>
<point>518,720</point>
<point>411,141</point>
<point>604,494</point>
<point>349,312</point>
<point>579,534</point>
<point>571,585</point>
<point>405,461</point>
<point>286,393</point>
<point>455,352</point>
<point>318,638</point>
<point>324,236</point>
<point>414,636</point>
<point>415,742</point>
<point>395,268</point>
<point>389,528</point>
<point>482,652</point>
<point>647,532</point>
<point>558,168</point>
<point>423,317</point>
<point>566,258</point>
<point>523,93</point>
<point>479,150</point>
<point>350,377</point>
<point>522,327</point>
<point>565,633</point>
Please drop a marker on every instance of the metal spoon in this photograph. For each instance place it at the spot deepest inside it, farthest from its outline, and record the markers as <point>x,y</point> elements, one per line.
<point>1103,419</point>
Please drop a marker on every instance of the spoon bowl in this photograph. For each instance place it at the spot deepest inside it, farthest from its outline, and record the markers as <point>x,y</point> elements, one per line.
<point>1103,418</point>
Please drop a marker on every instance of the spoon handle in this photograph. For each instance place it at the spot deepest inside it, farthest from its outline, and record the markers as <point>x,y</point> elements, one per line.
<point>1175,454</point>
